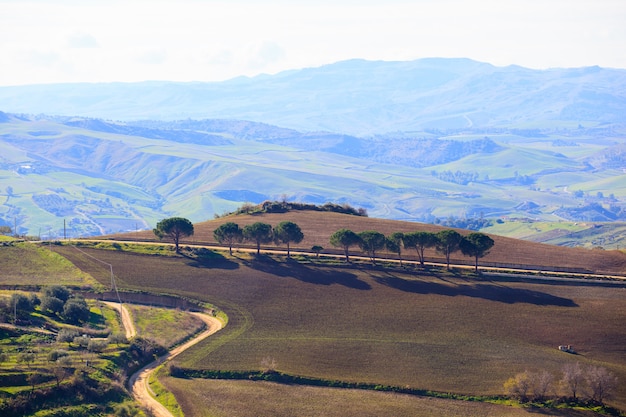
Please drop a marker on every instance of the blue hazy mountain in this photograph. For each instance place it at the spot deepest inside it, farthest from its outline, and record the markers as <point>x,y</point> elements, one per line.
<point>355,97</point>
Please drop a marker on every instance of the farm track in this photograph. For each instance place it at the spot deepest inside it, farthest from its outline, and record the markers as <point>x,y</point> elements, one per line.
<point>138,382</point>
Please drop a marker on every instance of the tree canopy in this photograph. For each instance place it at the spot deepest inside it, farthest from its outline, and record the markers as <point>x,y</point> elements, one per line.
<point>447,243</point>
<point>394,244</point>
<point>345,238</point>
<point>420,241</point>
<point>228,234</point>
<point>371,242</point>
<point>258,233</point>
<point>287,232</point>
<point>174,228</point>
<point>476,245</point>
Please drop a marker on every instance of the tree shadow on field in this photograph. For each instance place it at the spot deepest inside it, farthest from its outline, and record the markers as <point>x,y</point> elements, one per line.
<point>304,273</point>
<point>213,261</point>
<point>487,291</point>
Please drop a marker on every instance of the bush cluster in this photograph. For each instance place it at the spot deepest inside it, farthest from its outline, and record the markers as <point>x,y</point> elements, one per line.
<point>285,206</point>
<point>577,383</point>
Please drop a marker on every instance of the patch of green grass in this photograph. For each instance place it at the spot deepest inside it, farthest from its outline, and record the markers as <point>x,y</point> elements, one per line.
<point>163,395</point>
<point>32,264</point>
<point>146,249</point>
<point>167,327</point>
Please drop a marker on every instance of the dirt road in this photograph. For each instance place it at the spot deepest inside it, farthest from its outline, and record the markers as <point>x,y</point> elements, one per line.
<point>138,382</point>
<point>127,322</point>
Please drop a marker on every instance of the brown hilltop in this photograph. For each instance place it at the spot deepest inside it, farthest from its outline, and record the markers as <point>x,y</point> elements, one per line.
<point>318,226</point>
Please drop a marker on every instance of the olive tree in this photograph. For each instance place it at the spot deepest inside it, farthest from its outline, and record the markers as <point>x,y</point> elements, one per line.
<point>476,245</point>
<point>174,228</point>
<point>258,233</point>
<point>228,234</point>
<point>76,311</point>
<point>287,232</point>
<point>345,238</point>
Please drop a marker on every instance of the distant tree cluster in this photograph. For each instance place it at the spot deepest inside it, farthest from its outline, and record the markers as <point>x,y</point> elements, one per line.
<point>577,383</point>
<point>458,177</point>
<point>446,242</point>
<point>285,206</point>
<point>473,223</point>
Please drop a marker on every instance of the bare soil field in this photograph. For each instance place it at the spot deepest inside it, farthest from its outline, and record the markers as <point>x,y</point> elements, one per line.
<point>437,331</point>
<point>208,398</point>
<point>318,226</point>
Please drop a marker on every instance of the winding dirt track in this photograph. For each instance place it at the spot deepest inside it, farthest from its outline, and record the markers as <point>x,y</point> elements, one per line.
<point>138,382</point>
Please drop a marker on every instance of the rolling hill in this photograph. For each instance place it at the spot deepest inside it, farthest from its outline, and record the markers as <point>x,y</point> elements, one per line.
<point>103,177</point>
<point>449,141</point>
<point>419,328</point>
<point>356,97</point>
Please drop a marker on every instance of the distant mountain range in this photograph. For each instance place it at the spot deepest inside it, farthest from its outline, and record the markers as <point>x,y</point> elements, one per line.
<point>356,97</point>
<point>437,140</point>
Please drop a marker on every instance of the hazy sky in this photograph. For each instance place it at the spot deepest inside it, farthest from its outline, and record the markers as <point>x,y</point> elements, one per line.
<point>204,40</point>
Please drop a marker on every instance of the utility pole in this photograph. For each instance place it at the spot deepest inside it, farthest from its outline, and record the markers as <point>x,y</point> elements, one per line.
<point>64,231</point>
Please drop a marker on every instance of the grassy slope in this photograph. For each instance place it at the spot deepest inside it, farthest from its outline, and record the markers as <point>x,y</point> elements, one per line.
<point>28,264</point>
<point>130,182</point>
<point>431,331</point>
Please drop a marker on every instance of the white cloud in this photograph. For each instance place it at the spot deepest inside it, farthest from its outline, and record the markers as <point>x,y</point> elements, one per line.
<point>82,40</point>
<point>264,55</point>
<point>116,40</point>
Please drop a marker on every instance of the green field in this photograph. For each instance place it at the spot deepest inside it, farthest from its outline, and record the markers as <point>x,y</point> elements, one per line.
<point>25,264</point>
<point>129,182</point>
<point>167,327</point>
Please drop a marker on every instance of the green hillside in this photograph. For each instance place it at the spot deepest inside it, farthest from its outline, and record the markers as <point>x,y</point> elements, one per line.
<point>101,177</point>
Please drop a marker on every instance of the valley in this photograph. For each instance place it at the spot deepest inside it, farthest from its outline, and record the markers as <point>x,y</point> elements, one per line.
<point>101,177</point>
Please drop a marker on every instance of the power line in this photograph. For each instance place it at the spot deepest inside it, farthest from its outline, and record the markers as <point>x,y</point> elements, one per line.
<point>113,284</point>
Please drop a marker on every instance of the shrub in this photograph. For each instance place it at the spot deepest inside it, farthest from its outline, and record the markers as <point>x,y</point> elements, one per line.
<point>57,291</point>
<point>76,311</point>
<point>118,338</point>
<point>66,335</point>
<point>54,355</point>
<point>97,345</point>
<point>51,304</point>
